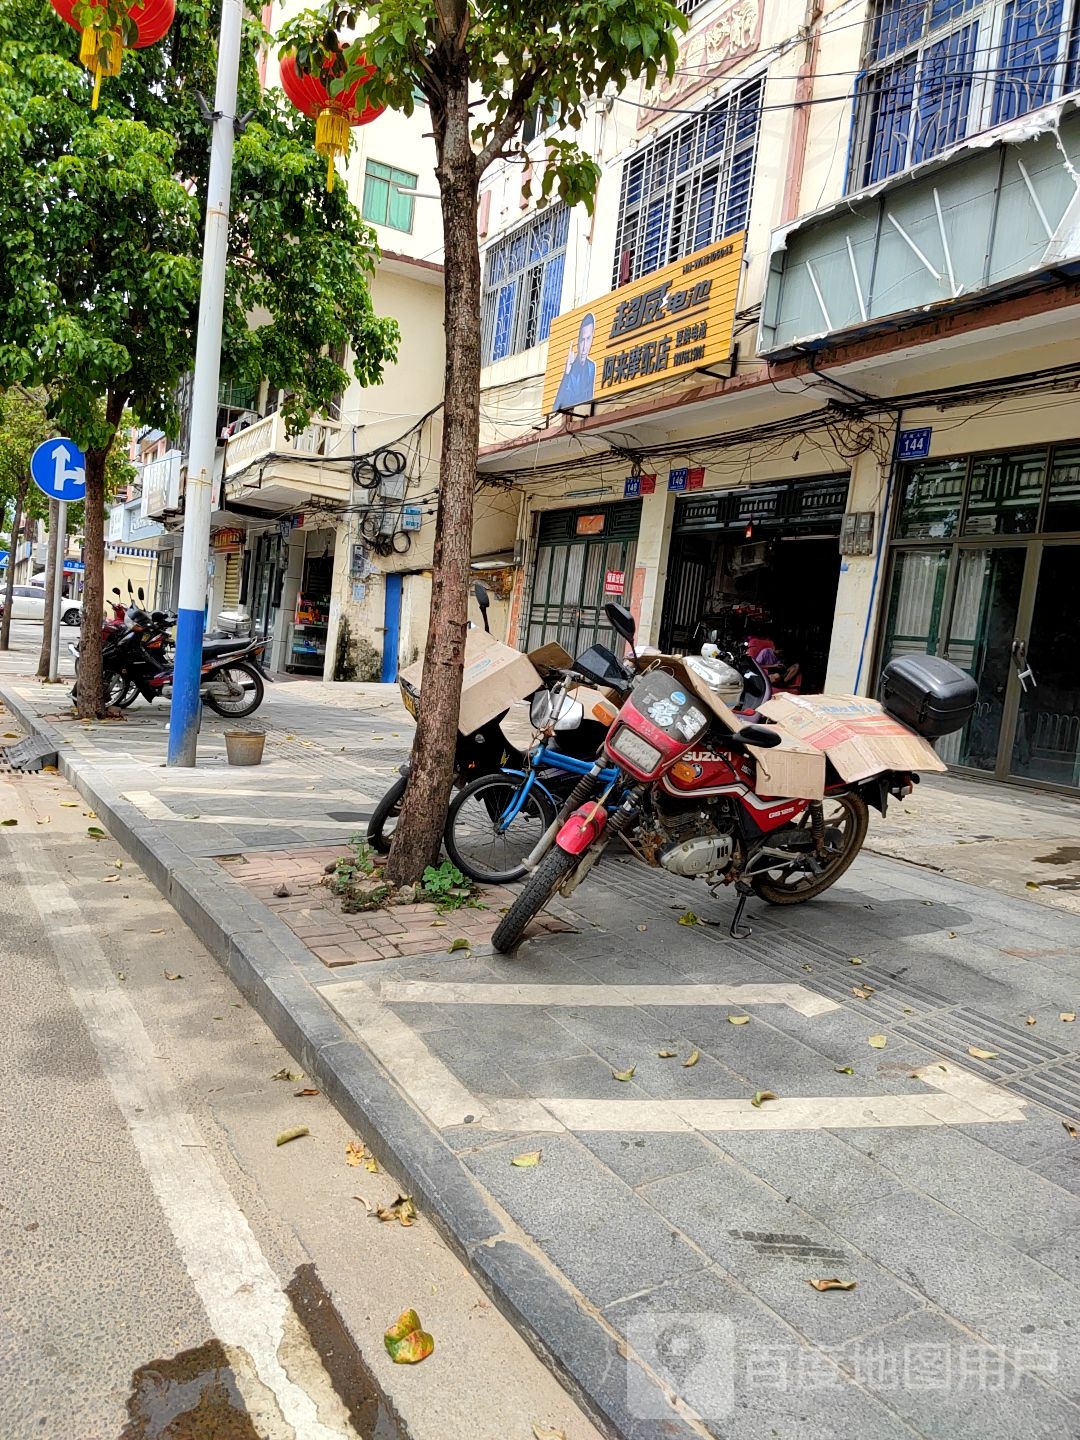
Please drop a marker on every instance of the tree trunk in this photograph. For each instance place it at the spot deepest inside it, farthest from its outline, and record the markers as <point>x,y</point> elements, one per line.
<point>52,579</point>
<point>91,700</point>
<point>418,835</point>
<point>9,587</point>
<point>90,704</point>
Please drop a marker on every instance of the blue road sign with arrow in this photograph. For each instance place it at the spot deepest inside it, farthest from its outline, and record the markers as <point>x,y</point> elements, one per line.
<point>58,468</point>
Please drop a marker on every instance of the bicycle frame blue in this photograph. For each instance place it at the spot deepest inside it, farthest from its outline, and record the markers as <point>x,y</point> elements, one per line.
<point>539,757</point>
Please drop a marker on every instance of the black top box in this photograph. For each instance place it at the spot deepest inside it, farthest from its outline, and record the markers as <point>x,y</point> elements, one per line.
<point>932,696</point>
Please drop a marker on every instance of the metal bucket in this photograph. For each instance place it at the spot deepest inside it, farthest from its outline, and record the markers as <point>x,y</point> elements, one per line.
<point>245,747</point>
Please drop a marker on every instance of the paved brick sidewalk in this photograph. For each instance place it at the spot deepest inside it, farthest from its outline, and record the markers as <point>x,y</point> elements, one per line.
<point>684,1223</point>
<point>314,914</point>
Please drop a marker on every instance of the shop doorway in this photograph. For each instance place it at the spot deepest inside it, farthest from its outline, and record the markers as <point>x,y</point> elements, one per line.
<point>584,558</point>
<point>306,649</point>
<point>762,562</point>
<point>1006,610</point>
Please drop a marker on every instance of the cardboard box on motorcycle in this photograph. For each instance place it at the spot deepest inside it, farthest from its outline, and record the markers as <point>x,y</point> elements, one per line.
<point>857,737</point>
<point>495,675</point>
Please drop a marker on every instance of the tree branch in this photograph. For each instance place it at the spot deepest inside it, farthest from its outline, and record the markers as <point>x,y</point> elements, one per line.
<point>510,123</point>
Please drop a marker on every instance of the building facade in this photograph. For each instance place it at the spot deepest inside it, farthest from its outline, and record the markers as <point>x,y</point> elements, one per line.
<point>810,365</point>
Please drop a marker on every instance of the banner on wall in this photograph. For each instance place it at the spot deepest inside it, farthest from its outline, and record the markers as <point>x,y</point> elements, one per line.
<point>674,321</point>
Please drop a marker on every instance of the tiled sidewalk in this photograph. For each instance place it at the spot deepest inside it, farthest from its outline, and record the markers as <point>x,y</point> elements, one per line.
<point>314,914</point>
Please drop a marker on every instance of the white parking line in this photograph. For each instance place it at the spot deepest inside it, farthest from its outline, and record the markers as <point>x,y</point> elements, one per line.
<point>424,992</point>
<point>954,1096</point>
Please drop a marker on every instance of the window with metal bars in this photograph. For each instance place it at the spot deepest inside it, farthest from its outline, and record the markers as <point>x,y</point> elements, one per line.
<point>523,278</point>
<point>937,71</point>
<point>689,187</point>
<point>691,7</point>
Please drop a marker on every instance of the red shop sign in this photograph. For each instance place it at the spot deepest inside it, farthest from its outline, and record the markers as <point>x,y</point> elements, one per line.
<point>614,582</point>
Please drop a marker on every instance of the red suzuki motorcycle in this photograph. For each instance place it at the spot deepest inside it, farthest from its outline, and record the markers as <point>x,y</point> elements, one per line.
<point>690,797</point>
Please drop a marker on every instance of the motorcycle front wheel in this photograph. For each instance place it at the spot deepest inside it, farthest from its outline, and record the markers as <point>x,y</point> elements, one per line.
<point>248,683</point>
<point>477,841</point>
<point>846,818</point>
<point>542,885</point>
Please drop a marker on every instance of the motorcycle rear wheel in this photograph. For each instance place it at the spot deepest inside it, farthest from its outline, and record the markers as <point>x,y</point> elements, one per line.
<point>249,680</point>
<point>846,813</point>
<point>380,830</point>
<point>542,885</point>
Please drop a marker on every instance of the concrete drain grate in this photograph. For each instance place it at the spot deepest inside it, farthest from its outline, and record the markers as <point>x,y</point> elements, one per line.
<point>800,1247</point>
<point>1055,1086</point>
<point>955,1032</point>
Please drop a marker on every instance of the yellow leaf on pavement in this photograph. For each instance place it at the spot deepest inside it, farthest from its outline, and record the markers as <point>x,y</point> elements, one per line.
<point>832,1284</point>
<point>878,1042</point>
<point>545,1432</point>
<point>978,1054</point>
<point>623,1074</point>
<point>761,1096</point>
<point>692,1059</point>
<point>738,1019</point>
<point>406,1342</point>
<point>666,1054</point>
<point>1068,1016</point>
<point>528,1160</point>
<point>294,1134</point>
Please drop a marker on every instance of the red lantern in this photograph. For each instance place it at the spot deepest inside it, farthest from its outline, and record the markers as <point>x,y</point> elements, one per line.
<point>334,115</point>
<point>101,47</point>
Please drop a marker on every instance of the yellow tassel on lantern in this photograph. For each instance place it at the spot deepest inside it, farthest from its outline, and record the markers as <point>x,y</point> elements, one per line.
<point>331,140</point>
<point>101,52</point>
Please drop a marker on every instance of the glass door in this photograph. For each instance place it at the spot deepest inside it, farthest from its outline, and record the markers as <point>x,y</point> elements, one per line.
<point>1046,745</point>
<point>987,585</point>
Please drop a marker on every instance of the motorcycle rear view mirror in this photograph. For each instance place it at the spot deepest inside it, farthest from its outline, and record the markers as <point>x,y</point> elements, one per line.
<point>763,736</point>
<point>142,597</point>
<point>131,592</point>
<point>116,592</point>
<point>620,620</point>
<point>483,599</point>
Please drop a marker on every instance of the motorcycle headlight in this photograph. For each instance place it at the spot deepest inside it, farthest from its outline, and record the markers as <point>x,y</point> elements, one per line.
<point>632,747</point>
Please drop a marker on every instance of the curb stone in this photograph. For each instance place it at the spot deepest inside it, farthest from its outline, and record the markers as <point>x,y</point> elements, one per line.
<point>253,947</point>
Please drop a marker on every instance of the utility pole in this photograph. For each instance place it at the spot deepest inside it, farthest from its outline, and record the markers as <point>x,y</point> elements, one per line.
<point>186,707</point>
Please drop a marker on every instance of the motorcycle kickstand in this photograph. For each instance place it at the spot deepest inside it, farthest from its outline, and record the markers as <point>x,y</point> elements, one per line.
<point>739,931</point>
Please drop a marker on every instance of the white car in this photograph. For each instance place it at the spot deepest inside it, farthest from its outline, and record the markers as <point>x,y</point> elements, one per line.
<point>28,603</point>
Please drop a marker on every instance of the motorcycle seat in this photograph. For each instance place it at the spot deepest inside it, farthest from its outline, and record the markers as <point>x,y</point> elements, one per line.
<point>212,648</point>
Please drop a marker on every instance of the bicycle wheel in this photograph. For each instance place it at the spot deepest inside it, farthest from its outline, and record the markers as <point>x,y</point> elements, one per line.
<point>479,839</point>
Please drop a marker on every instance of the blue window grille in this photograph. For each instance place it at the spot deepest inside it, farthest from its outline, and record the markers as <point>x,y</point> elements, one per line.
<point>690,186</point>
<point>939,71</point>
<point>523,278</point>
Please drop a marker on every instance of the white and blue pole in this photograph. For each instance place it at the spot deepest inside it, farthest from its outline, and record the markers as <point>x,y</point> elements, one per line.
<point>186,704</point>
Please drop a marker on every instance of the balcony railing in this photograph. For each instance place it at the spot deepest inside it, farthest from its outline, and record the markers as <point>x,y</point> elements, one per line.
<point>267,437</point>
<point>1003,213</point>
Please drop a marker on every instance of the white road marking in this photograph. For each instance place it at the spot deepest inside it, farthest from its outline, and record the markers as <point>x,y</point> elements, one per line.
<point>413,992</point>
<point>155,808</point>
<point>954,1097</point>
<point>241,1294</point>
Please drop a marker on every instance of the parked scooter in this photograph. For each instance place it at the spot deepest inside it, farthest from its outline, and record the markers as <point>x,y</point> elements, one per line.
<point>488,750</point>
<point>232,673</point>
<point>691,794</point>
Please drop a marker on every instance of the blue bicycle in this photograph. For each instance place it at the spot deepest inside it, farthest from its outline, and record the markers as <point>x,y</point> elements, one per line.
<point>497,820</point>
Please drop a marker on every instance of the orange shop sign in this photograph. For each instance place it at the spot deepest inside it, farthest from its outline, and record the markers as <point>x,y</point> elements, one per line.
<point>227,540</point>
<point>670,323</point>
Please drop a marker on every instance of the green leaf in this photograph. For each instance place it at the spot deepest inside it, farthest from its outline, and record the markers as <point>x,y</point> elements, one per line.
<point>9,822</point>
<point>406,1342</point>
<point>624,1074</point>
<point>459,944</point>
<point>528,1160</point>
<point>96,832</point>
<point>296,1133</point>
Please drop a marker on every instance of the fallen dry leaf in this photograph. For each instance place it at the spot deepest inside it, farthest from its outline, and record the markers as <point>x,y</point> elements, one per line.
<point>1030,1020</point>
<point>355,1152</point>
<point>845,1069</point>
<point>624,1074</point>
<point>545,1432</point>
<point>366,1203</point>
<point>978,1054</point>
<point>9,822</point>
<point>70,804</point>
<point>459,944</point>
<point>761,1096</point>
<point>808,968</point>
<point>528,1161</point>
<point>666,1054</point>
<point>406,1342</point>
<point>832,1284</point>
<point>298,1093</point>
<point>642,929</point>
<point>854,960</point>
<point>110,879</point>
<point>286,1074</point>
<point>371,1165</point>
<point>689,919</point>
<point>878,1042</point>
<point>1071,1129</point>
<point>862,992</point>
<point>952,934</point>
<point>1068,1016</point>
<point>738,1019</point>
<point>692,1059</point>
<point>402,1209</point>
<point>172,975</point>
<point>294,1134</point>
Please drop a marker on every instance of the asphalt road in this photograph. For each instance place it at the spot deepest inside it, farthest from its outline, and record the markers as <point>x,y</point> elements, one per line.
<point>168,1267</point>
